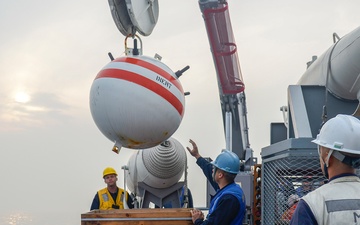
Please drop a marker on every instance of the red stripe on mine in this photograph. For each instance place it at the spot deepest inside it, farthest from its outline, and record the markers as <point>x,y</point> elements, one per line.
<point>153,68</point>
<point>146,83</point>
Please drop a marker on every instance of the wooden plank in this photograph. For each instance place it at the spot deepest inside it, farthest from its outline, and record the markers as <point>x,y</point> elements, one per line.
<point>174,216</point>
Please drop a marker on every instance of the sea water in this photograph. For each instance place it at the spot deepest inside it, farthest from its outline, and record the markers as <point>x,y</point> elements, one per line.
<point>44,218</point>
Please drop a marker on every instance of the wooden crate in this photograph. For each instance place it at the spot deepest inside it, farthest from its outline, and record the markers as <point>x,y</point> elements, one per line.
<point>173,216</point>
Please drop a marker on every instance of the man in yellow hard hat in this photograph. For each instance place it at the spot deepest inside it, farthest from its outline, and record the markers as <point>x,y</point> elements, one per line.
<point>111,197</point>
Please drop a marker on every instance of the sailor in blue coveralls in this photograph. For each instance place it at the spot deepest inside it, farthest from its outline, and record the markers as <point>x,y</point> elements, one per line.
<point>227,206</point>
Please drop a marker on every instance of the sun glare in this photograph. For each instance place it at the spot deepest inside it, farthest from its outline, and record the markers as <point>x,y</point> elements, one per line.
<point>22,97</point>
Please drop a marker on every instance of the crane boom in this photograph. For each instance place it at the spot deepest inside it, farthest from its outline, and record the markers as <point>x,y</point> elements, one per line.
<point>231,86</point>
<point>223,47</point>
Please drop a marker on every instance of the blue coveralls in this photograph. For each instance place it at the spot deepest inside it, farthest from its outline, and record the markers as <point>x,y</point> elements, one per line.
<point>227,206</point>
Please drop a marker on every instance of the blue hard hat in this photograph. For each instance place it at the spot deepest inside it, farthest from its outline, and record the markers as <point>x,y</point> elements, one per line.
<point>227,161</point>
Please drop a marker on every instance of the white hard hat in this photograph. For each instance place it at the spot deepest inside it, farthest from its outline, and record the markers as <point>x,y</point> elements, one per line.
<point>340,133</point>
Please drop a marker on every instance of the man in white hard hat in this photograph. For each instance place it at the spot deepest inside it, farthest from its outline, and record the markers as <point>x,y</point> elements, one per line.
<point>338,201</point>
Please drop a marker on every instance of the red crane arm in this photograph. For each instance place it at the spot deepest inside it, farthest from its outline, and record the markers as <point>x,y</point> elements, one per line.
<point>223,48</point>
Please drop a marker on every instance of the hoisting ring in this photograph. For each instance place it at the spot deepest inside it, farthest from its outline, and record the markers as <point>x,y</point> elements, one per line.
<point>135,50</point>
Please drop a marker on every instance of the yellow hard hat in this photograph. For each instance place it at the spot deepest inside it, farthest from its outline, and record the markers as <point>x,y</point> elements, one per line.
<point>109,170</point>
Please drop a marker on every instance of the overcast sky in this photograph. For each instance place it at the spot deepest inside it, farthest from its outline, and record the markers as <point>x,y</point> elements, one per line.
<point>52,154</point>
